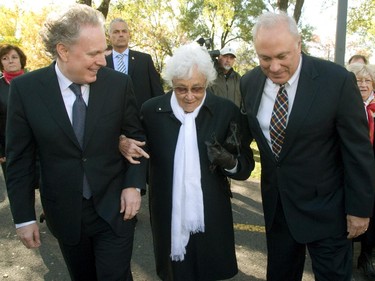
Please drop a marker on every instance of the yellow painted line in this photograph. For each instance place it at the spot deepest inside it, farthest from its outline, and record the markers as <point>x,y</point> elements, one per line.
<point>249,227</point>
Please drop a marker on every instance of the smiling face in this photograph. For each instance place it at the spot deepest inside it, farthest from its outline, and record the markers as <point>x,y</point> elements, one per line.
<point>190,92</point>
<point>81,61</point>
<point>366,85</point>
<point>279,52</point>
<point>11,61</point>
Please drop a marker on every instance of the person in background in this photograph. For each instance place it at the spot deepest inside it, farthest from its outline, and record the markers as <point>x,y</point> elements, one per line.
<point>70,115</point>
<point>12,64</point>
<point>365,75</point>
<point>358,59</point>
<point>317,182</point>
<point>227,83</point>
<point>196,140</point>
<point>139,66</point>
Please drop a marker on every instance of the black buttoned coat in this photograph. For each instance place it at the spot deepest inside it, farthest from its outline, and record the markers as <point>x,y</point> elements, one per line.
<point>214,250</point>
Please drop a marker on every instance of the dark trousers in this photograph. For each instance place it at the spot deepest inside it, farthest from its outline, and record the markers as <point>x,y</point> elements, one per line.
<point>101,255</point>
<point>331,257</point>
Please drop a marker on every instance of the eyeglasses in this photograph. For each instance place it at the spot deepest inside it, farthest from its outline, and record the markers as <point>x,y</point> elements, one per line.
<point>366,81</point>
<point>193,90</point>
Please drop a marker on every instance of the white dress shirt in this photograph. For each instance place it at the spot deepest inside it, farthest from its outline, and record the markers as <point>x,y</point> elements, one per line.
<point>69,97</point>
<point>268,100</point>
<point>125,59</point>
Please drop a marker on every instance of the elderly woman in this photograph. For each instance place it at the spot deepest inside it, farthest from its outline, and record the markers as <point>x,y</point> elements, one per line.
<point>195,143</point>
<point>12,64</point>
<point>365,75</point>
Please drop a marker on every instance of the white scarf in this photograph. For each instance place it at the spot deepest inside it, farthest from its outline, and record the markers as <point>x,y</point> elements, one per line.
<point>187,201</point>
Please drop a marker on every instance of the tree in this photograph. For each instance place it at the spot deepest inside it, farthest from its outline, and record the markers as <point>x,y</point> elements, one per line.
<point>361,21</point>
<point>158,27</point>
<point>103,7</point>
<point>283,5</point>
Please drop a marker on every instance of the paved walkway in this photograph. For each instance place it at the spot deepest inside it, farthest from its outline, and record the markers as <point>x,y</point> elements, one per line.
<point>20,264</point>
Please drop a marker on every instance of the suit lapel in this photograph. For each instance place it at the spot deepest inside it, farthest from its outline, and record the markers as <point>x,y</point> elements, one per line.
<point>96,102</point>
<point>132,62</point>
<point>254,107</point>
<point>52,97</point>
<point>306,91</point>
<point>109,60</point>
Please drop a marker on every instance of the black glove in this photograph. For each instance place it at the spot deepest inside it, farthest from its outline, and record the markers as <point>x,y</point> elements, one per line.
<point>233,140</point>
<point>219,156</point>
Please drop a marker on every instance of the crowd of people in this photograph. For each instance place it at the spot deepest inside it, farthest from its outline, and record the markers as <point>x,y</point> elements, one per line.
<point>97,131</point>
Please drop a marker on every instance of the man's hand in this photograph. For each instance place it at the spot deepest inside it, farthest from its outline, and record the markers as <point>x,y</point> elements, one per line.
<point>131,149</point>
<point>2,160</point>
<point>356,226</point>
<point>130,202</point>
<point>29,235</point>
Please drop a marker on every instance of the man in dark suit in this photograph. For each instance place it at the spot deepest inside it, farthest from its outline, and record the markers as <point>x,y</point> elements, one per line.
<point>89,193</point>
<point>318,172</point>
<point>139,66</point>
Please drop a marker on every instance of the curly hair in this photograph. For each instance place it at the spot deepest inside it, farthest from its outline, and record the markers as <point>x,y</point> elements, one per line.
<point>65,27</point>
<point>187,58</point>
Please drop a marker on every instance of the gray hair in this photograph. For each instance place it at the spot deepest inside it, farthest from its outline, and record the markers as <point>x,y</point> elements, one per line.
<point>360,69</point>
<point>187,58</point>
<point>114,21</point>
<point>269,20</point>
<point>65,27</point>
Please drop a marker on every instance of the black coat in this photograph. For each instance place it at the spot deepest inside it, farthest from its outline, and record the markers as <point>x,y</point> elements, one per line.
<point>4,94</point>
<point>38,121</point>
<point>326,166</point>
<point>145,78</point>
<point>215,247</point>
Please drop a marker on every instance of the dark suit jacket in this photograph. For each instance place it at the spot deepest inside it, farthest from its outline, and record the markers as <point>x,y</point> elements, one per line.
<point>162,129</point>
<point>4,93</point>
<point>326,166</point>
<point>146,80</point>
<point>37,119</point>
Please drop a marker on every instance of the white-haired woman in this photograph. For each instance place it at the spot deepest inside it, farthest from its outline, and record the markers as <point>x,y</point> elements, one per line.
<point>365,75</point>
<point>196,140</point>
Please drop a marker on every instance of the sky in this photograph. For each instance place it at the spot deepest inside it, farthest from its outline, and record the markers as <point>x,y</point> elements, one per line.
<point>322,15</point>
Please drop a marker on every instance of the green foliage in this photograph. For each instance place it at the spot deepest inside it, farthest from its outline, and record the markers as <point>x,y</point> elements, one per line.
<point>361,20</point>
<point>158,26</point>
<point>21,28</point>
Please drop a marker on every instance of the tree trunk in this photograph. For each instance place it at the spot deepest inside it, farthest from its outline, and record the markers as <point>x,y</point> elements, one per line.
<point>298,9</point>
<point>103,8</point>
<point>87,2</point>
<point>283,5</point>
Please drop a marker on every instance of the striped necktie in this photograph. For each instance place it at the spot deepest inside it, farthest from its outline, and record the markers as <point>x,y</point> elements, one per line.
<point>120,63</point>
<point>278,120</point>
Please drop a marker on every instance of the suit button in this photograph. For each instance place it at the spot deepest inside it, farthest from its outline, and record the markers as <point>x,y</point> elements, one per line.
<point>84,159</point>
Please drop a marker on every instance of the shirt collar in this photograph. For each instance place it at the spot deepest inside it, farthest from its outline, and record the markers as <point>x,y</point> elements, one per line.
<point>126,52</point>
<point>64,82</point>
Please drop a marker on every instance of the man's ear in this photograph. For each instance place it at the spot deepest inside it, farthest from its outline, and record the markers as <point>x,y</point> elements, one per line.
<point>62,51</point>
